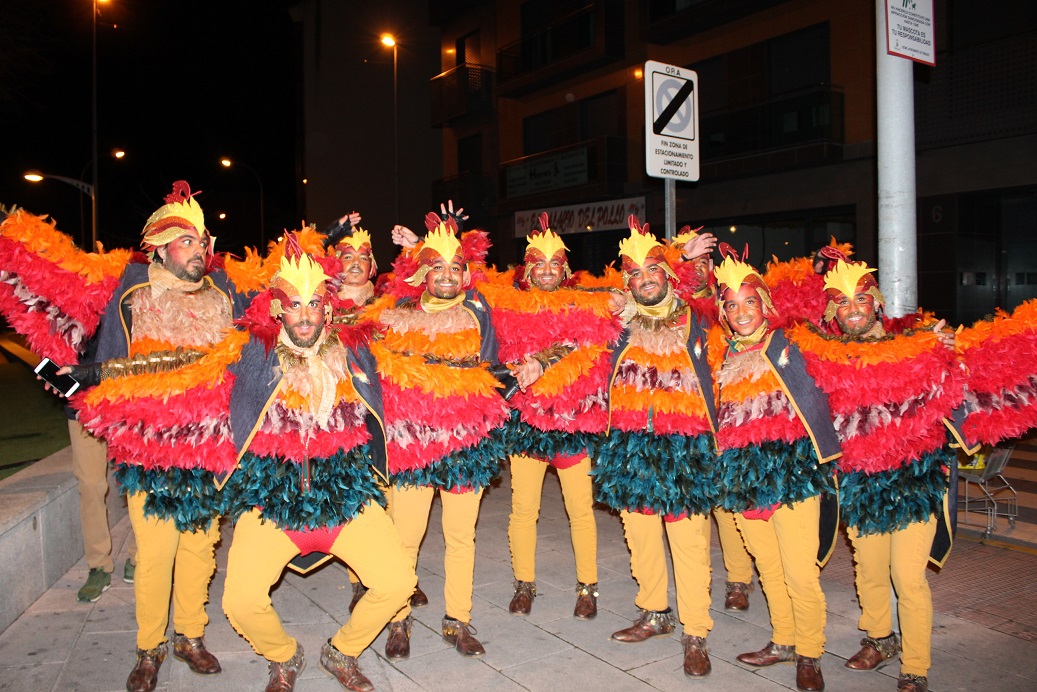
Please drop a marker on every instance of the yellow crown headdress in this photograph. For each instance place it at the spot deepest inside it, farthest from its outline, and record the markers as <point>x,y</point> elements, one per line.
<point>439,243</point>
<point>547,243</point>
<point>358,239</point>
<point>686,235</point>
<point>845,277</point>
<point>634,251</point>
<point>298,272</point>
<point>179,213</point>
<point>732,273</point>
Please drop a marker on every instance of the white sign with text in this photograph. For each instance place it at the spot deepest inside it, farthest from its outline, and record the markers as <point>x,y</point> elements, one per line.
<point>671,122</point>
<point>909,30</point>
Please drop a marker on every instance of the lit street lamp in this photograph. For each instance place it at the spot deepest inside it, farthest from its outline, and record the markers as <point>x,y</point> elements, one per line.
<point>85,188</point>
<point>227,163</point>
<point>390,41</point>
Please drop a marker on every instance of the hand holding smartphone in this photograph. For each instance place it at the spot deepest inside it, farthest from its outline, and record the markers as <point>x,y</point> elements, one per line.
<point>65,385</point>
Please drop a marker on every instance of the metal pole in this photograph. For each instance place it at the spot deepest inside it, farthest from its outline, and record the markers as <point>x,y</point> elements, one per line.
<point>898,252</point>
<point>670,202</point>
<point>396,129</point>
<point>94,182</point>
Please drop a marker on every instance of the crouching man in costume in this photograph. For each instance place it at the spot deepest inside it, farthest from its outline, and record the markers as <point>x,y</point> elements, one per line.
<point>165,467</point>
<point>654,465</point>
<point>441,406</point>
<point>309,437</point>
<point>775,433</point>
<point>554,337</point>
<point>890,396</point>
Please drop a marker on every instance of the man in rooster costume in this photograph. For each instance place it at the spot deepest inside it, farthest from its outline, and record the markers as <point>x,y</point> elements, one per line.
<point>654,464</point>
<point>775,435</point>
<point>310,441</point>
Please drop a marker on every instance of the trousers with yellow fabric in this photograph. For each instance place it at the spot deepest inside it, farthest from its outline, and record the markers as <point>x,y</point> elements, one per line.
<point>901,556</point>
<point>527,482</point>
<point>170,562</point>
<point>261,551</point>
<point>785,549</point>
<point>410,511</point>
<point>688,539</point>
<point>737,561</point>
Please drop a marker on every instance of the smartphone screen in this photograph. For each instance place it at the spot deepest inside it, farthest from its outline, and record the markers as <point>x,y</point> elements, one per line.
<point>66,384</point>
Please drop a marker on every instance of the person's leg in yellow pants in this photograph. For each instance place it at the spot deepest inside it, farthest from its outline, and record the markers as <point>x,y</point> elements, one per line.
<point>689,542</point>
<point>902,556</point>
<point>162,550</point>
<point>90,468</point>
<point>409,509</point>
<point>578,495</point>
<point>644,535</point>
<point>785,549</point>
<point>737,561</point>
<point>460,513</point>
<point>527,480</point>
<point>257,558</point>
<point>370,545</point>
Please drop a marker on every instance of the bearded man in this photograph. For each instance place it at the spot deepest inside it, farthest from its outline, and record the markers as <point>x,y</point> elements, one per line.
<point>654,464</point>
<point>441,408</point>
<point>312,472</point>
<point>891,395</point>
<point>775,434</point>
<point>554,337</point>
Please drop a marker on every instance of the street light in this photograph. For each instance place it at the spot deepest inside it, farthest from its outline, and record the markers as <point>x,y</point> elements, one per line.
<point>93,191</point>
<point>85,188</point>
<point>390,41</point>
<point>227,163</point>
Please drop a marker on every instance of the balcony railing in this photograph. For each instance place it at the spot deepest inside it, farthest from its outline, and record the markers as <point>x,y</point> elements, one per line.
<point>462,92</point>
<point>586,38</point>
<point>786,122</point>
<point>598,164</point>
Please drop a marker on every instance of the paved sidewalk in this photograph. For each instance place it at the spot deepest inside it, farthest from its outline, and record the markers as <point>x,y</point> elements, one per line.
<point>985,629</point>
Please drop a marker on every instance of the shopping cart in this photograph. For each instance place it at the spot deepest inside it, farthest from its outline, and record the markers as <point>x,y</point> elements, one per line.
<point>986,489</point>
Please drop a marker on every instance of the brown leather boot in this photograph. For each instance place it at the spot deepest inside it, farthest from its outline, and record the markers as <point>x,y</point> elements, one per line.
<point>283,675</point>
<point>397,646</point>
<point>650,623</point>
<point>874,653</point>
<point>696,657</point>
<point>418,599</point>
<point>192,651</point>
<point>737,596</point>
<point>144,675</point>
<point>460,636</point>
<point>344,668</point>
<point>522,601</point>
<point>808,674</point>
<point>912,683</point>
<point>358,592</point>
<point>586,601</point>
<point>769,655</point>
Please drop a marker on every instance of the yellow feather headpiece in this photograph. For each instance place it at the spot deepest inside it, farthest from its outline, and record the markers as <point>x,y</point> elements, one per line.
<point>358,239</point>
<point>845,277</point>
<point>300,274</point>
<point>637,246</point>
<point>732,273</point>
<point>180,212</point>
<point>548,243</point>
<point>439,243</point>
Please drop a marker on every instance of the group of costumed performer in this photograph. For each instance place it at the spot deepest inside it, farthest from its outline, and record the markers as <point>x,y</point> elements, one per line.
<point>775,436</point>
<point>553,335</point>
<point>655,464</point>
<point>435,348</point>
<point>310,441</point>
<point>893,396</point>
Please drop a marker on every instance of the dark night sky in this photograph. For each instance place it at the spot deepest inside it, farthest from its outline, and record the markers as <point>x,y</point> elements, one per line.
<point>180,84</point>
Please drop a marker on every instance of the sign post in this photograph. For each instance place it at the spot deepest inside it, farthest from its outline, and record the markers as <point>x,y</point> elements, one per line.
<point>671,129</point>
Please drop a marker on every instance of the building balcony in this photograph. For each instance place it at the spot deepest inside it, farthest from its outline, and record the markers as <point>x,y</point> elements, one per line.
<point>796,129</point>
<point>461,93</point>
<point>589,37</point>
<point>664,21</point>
<point>595,167</point>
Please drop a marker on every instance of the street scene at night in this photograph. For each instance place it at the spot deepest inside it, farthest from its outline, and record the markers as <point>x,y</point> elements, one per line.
<point>713,324</point>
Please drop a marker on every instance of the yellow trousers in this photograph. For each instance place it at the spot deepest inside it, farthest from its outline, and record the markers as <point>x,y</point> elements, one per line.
<point>527,483</point>
<point>785,549</point>
<point>689,549</point>
<point>737,561</point>
<point>90,467</point>
<point>410,510</point>
<point>901,556</point>
<point>260,552</point>
<point>170,562</point>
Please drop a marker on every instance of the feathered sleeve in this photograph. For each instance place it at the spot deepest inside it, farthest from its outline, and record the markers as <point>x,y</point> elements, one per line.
<point>51,292</point>
<point>1000,355</point>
